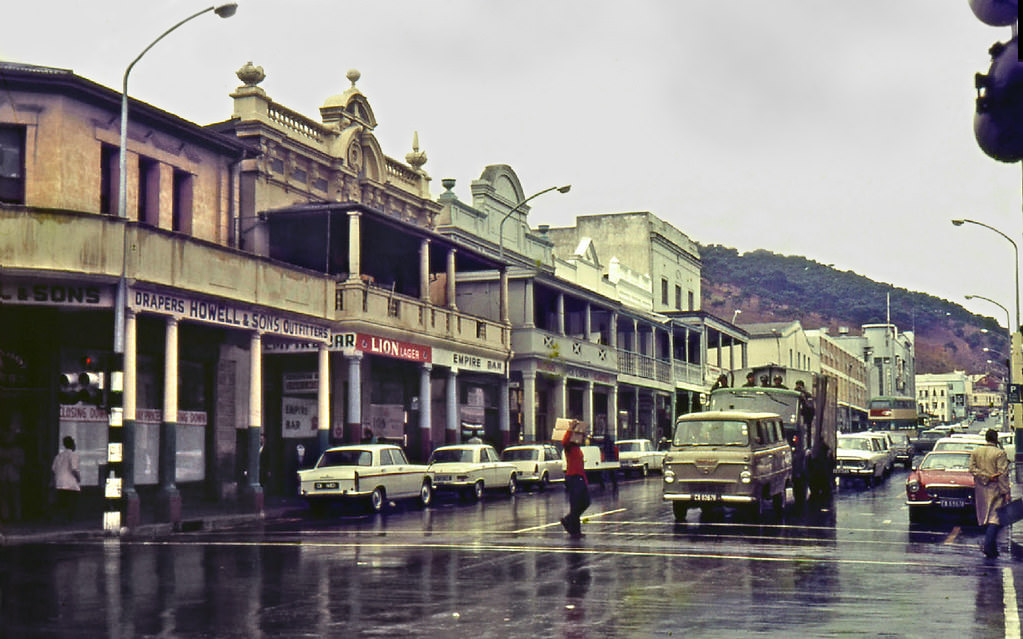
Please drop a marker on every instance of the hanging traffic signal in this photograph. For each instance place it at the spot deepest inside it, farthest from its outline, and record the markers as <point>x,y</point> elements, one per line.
<point>85,385</point>
<point>998,122</point>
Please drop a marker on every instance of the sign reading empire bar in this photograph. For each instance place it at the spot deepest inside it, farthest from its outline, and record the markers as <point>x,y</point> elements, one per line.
<point>224,314</point>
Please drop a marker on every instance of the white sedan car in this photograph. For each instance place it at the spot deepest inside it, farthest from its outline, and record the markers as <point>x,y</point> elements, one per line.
<point>536,464</point>
<point>471,470</point>
<point>374,473</point>
<point>640,455</point>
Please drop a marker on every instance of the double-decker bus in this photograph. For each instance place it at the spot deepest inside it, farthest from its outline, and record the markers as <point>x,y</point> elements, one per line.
<point>894,413</point>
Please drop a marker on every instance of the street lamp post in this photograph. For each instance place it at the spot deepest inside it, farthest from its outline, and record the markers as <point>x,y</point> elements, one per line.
<point>1015,249</point>
<point>121,436</point>
<point>559,189</point>
<point>1008,362</point>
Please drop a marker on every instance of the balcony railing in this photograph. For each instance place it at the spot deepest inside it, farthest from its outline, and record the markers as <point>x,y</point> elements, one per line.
<point>362,300</point>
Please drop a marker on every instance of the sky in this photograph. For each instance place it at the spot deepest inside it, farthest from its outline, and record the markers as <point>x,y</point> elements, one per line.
<point>837,130</point>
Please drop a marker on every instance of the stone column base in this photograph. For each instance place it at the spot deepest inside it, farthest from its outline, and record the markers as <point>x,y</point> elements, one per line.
<point>252,499</point>
<point>168,506</point>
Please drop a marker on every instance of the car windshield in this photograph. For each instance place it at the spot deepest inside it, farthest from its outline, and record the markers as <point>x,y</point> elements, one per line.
<point>900,438</point>
<point>946,461</point>
<point>519,454</point>
<point>933,434</point>
<point>855,443</point>
<point>628,447</point>
<point>711,433</point>
<point>445,455</point>
<point>347,457</point>
<point>959,444</point>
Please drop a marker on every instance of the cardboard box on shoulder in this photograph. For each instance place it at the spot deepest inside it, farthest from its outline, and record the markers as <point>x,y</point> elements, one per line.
<point>579,429</point>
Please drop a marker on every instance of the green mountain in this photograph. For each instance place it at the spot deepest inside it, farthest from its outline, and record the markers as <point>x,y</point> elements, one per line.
<point>768,287</point>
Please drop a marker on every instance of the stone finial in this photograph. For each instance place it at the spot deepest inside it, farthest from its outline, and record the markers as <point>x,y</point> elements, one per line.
<point>250,74</point>
<point>353,76</point>
<point>416,158</point>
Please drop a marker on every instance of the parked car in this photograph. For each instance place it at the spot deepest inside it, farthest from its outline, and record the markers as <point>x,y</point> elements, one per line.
<point>942,483</point>
<point>727,458</point>
<point>640,456</point>
<point>471,470</point>
<point>903,448</point>
<point>535,464</point>
<point>859,456</point>
<point>374,473</point>
<point>887,445</point>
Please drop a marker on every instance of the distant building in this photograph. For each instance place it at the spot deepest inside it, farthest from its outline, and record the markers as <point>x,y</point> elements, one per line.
<point>890,357</point>
<point>850,374</point>
<point>944,396</point>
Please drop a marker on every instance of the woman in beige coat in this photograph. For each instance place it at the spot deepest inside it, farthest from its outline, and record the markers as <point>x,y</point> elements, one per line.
<point>990,469</point>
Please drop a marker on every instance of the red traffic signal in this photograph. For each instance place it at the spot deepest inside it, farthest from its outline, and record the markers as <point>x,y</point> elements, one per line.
<point>85,385</point>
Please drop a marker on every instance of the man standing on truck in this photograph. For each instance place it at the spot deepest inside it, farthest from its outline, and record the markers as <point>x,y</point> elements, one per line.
<point>576,486</point>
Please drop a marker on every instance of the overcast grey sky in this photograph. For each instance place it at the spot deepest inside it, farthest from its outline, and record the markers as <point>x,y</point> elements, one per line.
<point>840,130</point>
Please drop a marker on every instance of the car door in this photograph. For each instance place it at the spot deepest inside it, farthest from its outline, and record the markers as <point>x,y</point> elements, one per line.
<point>402,478</point>
<point>552,459</point>
<point>488,462</point>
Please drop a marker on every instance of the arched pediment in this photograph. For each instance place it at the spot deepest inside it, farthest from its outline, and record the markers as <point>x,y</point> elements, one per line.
<point>502,182</point>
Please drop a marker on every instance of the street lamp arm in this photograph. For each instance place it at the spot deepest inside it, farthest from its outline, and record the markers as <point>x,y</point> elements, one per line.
<point>1015,249</point>
<point>560,189</point>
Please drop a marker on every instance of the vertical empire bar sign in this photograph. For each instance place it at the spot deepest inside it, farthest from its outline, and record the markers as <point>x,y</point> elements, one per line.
<point>113,482</point>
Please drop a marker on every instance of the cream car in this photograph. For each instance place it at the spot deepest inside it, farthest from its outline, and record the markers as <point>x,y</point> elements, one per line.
<point>536,464</point>
<point>860,456</point>
<point>640,456</point>
<point>374,473</point>
<point>471,470</point>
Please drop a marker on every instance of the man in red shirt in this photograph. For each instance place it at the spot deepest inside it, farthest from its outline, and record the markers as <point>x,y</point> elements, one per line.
<point>576,486</point>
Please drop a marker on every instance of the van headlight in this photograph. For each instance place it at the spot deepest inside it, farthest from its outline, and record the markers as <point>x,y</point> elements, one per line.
<point>669,476</point>
<point>745,476</point>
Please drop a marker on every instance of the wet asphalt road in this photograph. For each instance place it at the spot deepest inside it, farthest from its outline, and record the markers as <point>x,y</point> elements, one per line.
<point>505,568</point>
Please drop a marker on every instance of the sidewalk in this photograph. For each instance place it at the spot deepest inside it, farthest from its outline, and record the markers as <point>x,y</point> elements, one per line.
<point>1015,532</point>
<point>194,517</point>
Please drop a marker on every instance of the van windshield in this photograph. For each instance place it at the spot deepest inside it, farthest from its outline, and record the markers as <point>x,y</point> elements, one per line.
<point>757,400</point>
<point>711,433</point>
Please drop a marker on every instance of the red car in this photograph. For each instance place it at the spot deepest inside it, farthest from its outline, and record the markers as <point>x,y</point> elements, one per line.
<point>942,483</point>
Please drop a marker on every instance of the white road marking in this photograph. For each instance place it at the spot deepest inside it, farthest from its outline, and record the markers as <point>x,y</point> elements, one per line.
<point>1009,601</point>
<point>558,523</point>
<point>951,539</point>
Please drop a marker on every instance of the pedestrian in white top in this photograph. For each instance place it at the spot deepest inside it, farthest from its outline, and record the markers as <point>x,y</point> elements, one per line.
<point>67,480</point>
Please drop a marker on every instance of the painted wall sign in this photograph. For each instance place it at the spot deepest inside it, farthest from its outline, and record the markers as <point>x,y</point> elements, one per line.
<point>224,313</point>
<point>300,383</point>
<point>17,291</point>
<point>466,362</point>
<point>392,348</point>
<point>299,417</point>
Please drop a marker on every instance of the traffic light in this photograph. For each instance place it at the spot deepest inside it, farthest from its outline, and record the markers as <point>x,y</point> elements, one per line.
<point>85,384</point>
<point>998,121</point>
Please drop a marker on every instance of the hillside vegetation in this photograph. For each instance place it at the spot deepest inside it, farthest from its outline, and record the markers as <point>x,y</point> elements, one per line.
<point>767,287</point>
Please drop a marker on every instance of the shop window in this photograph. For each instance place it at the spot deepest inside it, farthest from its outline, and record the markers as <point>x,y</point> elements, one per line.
<point>12,164</point>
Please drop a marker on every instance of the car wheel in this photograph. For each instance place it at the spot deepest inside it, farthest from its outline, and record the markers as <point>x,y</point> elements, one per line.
<point>425,494</point>
<point>377,499</point>
<point>544,480</point>
<point>513,485</point>
<point>477,491</point>
<point>680,508</point>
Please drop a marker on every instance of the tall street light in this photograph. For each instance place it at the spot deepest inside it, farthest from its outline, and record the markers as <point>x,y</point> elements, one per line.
<point>559,189</point>
<point>224,11</point>
<point>1015,249</point>
<point>1006,359</point>
<point>120,463</point>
